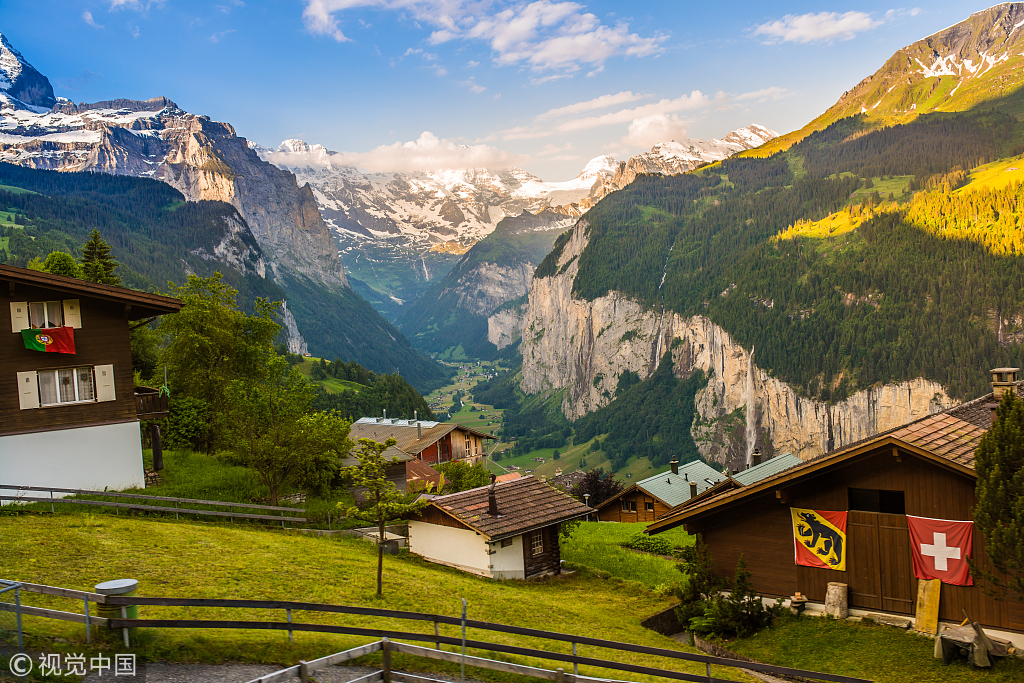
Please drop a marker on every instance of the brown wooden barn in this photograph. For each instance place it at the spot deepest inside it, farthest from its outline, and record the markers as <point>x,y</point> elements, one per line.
<point>71,420</point>
<point>925,468</point>
<point>649,499</point>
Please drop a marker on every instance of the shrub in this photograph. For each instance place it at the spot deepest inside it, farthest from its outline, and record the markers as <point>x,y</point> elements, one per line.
<point>648,544</point>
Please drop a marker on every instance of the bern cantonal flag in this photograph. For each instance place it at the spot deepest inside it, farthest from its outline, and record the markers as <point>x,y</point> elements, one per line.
<point>50,339</point>
<point>941,548</point>
<point>819,538</point>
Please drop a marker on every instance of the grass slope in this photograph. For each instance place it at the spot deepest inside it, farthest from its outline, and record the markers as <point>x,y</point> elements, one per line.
<point>218,561</point>
<point>598,545</point>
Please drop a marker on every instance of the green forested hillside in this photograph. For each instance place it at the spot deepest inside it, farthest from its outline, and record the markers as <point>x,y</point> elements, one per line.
<point>915,290</point>
<point>158,237</point>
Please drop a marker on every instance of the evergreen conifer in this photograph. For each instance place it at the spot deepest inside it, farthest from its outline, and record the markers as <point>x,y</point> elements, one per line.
<point>97,263</point>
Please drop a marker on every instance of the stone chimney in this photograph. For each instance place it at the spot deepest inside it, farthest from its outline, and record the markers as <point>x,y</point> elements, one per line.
<point>674,465</point>
<point>757,456</point>
<point>693,489</point>
<point>492,502</point>
<point>1003,380</point>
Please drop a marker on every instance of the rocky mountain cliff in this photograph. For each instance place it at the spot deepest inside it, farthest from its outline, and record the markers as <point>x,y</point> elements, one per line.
<point>585,346</point>
<point>399,232</point>
<point>206,160</point>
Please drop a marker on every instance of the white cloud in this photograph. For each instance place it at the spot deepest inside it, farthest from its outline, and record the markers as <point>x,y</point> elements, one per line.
<point>541,35</point>
<point>473,85</point>
<point>215,38</point>
<point>426,153</point>
<point>773,93</point>
<point>821,27</point>
<point>646,131</point>
<point>601,102</point>
<point>137,5</point>
<point>695,100</point>
<point>87,18</point>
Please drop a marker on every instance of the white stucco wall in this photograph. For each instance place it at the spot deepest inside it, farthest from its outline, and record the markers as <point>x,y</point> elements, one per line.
<point>460,548</point>
<point>85,458</point>
<point>508,563</point>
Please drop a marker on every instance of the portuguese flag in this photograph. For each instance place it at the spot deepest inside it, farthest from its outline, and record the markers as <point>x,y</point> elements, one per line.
<point>49,339</point>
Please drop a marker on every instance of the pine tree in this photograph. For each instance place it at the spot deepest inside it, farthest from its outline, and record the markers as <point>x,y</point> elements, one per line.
<point>97,263</point>
<point>999,512</point>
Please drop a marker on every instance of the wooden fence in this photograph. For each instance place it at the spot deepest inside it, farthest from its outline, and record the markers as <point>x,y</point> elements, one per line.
<point>281,517</point>
<point>386,635</point>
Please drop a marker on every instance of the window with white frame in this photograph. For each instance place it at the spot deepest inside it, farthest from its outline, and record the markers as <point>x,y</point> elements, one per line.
<point>537,542</point>
<point>66,385</point>
<point>45,314</point>
<point>469,441</point>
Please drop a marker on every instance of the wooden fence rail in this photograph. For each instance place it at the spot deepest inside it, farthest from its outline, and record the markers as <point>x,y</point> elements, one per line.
<point>386,634</point>
<point>282,517</point>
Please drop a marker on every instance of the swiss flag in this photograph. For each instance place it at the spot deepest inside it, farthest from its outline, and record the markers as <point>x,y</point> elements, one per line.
<point>941,548</point>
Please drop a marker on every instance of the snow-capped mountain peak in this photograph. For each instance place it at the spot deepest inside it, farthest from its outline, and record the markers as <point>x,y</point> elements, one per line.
<point>602,166</point>
<point>21,86</point>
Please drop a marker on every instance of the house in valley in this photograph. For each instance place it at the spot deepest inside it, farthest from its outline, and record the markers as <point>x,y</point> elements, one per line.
<point>431,442</point>
<point>875,515</point>
<point>647,500</point>
<point>69,414</point>
<point>508,530</point>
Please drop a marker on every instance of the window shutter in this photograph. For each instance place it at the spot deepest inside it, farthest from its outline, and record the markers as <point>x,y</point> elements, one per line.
<point>72,314</point>
<point>105,383</point>
<point>28,390</point>
<point>19,316</point>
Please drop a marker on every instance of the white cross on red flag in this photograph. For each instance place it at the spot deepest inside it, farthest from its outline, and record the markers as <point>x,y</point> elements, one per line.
<point>941,548</point>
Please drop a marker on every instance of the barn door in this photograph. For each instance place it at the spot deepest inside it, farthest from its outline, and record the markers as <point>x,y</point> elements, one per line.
<point>879,562</point>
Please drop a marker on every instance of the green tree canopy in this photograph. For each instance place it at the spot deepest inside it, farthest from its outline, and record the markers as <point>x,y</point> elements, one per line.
<point>97,263</point>
<point>62,263</point>
<point>211,343</point>
<point>999,512</point>
<point>384,502</point>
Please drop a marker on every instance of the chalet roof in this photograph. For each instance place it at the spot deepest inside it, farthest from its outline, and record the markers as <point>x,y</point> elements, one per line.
<point>417,470</point>
<point>768,468</point>
<point>567,480</point>
<point>392,454</point>
<point>524,504</point>
<point>950,436</point>
<point>674,489</point>
<point>508,476</point>
<point>143,304</point>
<point>409,437</point>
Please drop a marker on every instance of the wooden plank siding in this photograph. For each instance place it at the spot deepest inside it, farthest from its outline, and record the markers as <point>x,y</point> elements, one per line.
<point>432,515</point>
<point>547,561</point>
<point>102,340</point>
<point>879,566</point>
<point>613,512</point>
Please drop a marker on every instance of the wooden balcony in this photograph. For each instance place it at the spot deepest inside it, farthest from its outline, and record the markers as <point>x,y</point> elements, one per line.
<point>149,404</point>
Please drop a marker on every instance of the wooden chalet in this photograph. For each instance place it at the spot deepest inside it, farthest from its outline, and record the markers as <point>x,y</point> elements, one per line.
<point>71,420</point>
<point>925,469</point>
<point>649,499</point>
<point>508,530</point>
<point>432,442</point>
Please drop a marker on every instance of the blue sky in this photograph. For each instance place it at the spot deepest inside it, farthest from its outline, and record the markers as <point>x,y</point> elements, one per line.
<point>403,84</point>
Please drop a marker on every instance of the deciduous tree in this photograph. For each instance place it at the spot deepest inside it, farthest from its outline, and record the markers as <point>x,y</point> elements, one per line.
<point>600,485</point>
<point>384,502</point>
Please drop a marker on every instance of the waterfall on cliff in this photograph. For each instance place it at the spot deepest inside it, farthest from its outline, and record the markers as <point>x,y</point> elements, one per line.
<point>751,435</point>
<point>426,275</point>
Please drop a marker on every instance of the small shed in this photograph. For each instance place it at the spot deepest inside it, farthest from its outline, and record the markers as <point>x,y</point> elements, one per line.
<point>508,530</point>
<point>649,499</point>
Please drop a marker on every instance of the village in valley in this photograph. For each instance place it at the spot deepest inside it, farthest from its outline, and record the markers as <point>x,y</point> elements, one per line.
<point>730,410</point>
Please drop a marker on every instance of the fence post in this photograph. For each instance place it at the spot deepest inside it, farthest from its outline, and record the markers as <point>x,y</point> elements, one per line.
<point>385,660</point>
<point>124,615</point>
<point>575,664</point>
<point>437,634</point>
<point>560,675</point>
<point>708,665</point>
<point>291,634</point>
<point>462,674</point>
<point>88,634</point>
<point>17,618</point>
<point>303,671</point>
<point>52,512</point>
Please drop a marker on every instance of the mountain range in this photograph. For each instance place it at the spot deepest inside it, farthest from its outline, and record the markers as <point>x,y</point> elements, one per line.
<point>835,282</point>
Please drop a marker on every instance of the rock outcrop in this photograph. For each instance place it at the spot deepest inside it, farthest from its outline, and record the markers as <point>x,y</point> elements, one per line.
<point>585,346</point>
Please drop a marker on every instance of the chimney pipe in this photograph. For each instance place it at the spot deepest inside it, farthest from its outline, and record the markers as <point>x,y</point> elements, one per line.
<point>757,456</point>
<point>675,466</point>
<point>492,502</point>
<point>385,415</point>
<point>693,489</point>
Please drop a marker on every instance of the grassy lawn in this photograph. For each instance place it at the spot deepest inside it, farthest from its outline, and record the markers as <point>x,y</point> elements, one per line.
<point>204,560</point>
<point>598,545</point>
<point>865,650</point>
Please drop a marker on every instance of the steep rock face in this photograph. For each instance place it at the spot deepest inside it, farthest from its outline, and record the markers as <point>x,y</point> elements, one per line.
<point>201,158</point>
<point>584,347</point>
<point>505,326</point>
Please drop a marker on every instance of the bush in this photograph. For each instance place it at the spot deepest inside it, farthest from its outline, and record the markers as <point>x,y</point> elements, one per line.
<point>188,423</point>
<point>649,544</point>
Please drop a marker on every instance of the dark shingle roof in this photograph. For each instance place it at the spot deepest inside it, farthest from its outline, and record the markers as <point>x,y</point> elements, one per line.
<point>408,437</point>
<point>524,504</point>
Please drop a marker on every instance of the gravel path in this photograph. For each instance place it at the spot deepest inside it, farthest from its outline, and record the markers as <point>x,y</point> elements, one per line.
<point>241,673</point>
